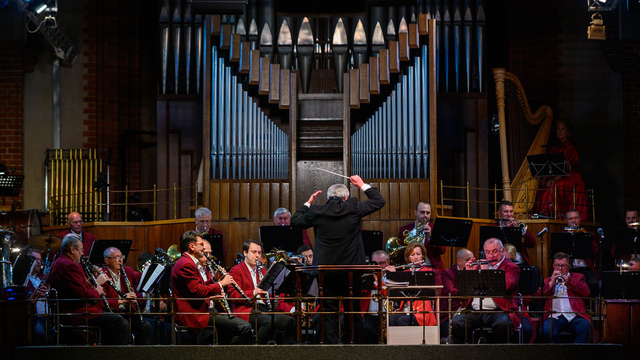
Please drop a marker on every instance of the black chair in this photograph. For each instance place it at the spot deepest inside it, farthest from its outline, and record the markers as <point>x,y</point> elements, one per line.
<point>71,334</point>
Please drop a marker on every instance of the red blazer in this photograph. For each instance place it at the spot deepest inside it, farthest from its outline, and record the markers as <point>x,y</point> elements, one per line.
<point>576,287</point>
<point>528,241</point>
<point>69,279</point>
<point>449,286</point>
<point>87,240</point>
<point>512,276</point>
<point>429,318</point>
<point>433,252</point>
<point>112,295</point>
<point>189,290</point>
<point>242,276</point>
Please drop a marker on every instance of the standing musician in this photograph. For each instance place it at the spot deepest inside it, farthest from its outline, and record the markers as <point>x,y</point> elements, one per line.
<point>338,242</point>
<point>499,313</point>
<point>584,266</point>
<point>74,221</point>
<point>423,215</point>
<point>69,279</point>
<point>415,252</point>
<point>37,290</point>
<point>270,328</point>
<point>282,217</point>
<point>564,289</point>
<point>125,281</point>
<point>506,218</point>
<point>189,289</point>
<point>203,225</point>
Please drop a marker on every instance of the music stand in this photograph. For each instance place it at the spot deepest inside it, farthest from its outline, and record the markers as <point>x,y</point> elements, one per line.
<point>506,234</point>
<point>411,278</point>
<point>547,165</point>
<point>373,241</point>
<point>450,232</point>
<point>284,238</point>
<point>621,285</point>
<point>22,268</point>
<point>627,242</point>
<point>217,248</point>
<point>577,245</point>
<point>151,276</point>
<point>529,279</point>
<point>273,278</point>
<point>10,185</point>
<point>481,283</point>
<point>96,255</point>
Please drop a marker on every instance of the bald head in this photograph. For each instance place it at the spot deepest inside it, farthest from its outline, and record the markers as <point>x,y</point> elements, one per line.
<point>74,220</point>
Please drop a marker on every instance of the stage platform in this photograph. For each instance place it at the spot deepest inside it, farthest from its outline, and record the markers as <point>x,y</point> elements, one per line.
<point>336,352</point>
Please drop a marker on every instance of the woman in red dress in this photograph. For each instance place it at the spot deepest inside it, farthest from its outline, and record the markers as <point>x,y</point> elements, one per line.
<point>570,192</point>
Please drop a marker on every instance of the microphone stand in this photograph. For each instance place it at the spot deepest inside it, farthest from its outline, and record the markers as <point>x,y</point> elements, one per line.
<point>541,279</point>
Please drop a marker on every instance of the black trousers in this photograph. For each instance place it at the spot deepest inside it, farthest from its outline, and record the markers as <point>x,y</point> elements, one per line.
<point>273,328</point>
<point>466,323</point>
<point>115,329</point>
<point>336,285</point>
<point>231,330</point>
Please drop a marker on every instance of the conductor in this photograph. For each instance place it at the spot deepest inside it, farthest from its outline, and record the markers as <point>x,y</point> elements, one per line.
<point>338,239</point>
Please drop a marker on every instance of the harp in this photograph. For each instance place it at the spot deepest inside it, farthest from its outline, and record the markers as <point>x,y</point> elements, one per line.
<point>519,128</point>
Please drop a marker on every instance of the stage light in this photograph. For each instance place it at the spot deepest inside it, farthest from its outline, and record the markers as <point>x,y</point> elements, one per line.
<point>602,5</point>
<point>596,30</point>
<point>36,6</point>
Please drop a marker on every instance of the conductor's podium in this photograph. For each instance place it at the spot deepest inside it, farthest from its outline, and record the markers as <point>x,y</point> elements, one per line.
<point>413,335</point>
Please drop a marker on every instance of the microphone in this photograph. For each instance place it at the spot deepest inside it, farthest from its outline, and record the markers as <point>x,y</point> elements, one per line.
<point>543,231</point>
<point>601,232</point>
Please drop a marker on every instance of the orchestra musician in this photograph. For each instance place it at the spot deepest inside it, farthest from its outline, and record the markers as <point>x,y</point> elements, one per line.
<point>506,218</point>
<point>423,216</point>
<point>450,287</point>
<point>499,313</point>
<point>74,221</point>
<point>37,290</point>
<point>415,252</point>
<point>270,328</point>
<point>114,261</point>
<point>371,306</point>
<point>585,267</point>
<point>631,216</point>
<point>189,289</point>
<point>282,217</point>
<point>564,289</point>
<point>338,241</point>
<point>69,279</point>
<point>203,225</point>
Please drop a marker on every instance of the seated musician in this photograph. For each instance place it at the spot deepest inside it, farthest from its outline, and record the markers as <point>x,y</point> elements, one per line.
<point>69,279</point>
<point>506,218</point>
<point>498,313</point>
<point>271,328</point>
<point>282,217</point>
<point>189,289</point>
<point>567,310</point>
<point>423,215</point>
<point>370,306</point>
<point>415,252</point>
<point>450,287</point>
<point>119,275</point>
<point>74,221</point>
<point>584,266</point>
<point>203,225</point>
<point>36,290</point>
<point>631,218</point>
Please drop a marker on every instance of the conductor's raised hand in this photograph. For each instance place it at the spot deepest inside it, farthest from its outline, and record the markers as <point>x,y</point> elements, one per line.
<point>357,181</point>
<point>314,196</point>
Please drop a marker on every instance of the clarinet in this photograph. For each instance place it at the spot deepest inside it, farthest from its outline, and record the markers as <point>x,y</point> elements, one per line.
<point>223,300</point>
<point>266,299</point>
<point>134,304</point>
<point>86,266</point>
<point>224,274</point>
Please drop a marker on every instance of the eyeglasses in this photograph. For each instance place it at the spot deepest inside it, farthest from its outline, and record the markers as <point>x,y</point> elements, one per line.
<point>560,266</point>
<point>116,257</point>
<point>77,222</point>
<point>493,252</point>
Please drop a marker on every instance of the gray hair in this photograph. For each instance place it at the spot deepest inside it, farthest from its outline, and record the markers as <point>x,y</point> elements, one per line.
<point>202,211</point>
<point>380,253</point>
<point>281,211</point>
<point>493,240</point>
<point>338,190</point>
<point>107,252</point>
<point>68,241</point>
<point>462,252</point>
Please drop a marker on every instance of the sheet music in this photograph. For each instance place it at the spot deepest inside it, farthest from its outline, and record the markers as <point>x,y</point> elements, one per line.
<point>149,277</point>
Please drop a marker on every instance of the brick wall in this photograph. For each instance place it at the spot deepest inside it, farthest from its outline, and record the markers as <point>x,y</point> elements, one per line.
<point>631,122</point>
<point>11,85</point>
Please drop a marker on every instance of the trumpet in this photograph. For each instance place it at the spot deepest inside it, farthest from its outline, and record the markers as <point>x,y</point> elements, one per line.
<point>559,280</point>
<point>519,224</point>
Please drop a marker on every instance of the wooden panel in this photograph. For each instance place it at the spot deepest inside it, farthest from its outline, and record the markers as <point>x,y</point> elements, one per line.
<point>274,199</point>
<point>214,199</point>
<point>404,200</point>
<point>236,47</point>
<point>285,89</point>
<point>254,208</point>
<point>216,23</point>
<point>245,200</point>
<point>265,67</point>
<point>226,37</point>
<point>364,83</point>
<point>225,187</point>
<point>423,29</point>
<point>383,188</point>
<point>414,37</point>
<point>394,193</point>
<point>383,67</point>
<point>394,57</point>
<point>414,196</point>
<point>403,46</point>
<point>274,84</point>
<point>354,89</point>
<point>245,58</point>
<point>265,201</point>
<point>285,196</point>
<point>254,72</point>
<point>374,79</point>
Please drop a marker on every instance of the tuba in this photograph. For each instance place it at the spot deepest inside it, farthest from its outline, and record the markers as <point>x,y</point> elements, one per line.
<point>395,248</point>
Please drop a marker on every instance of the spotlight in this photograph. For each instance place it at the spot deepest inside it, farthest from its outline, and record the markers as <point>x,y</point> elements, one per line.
<point>37,6</point>
<point>602,5</point>
<point>49,22</point>
<point>596,30</point>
